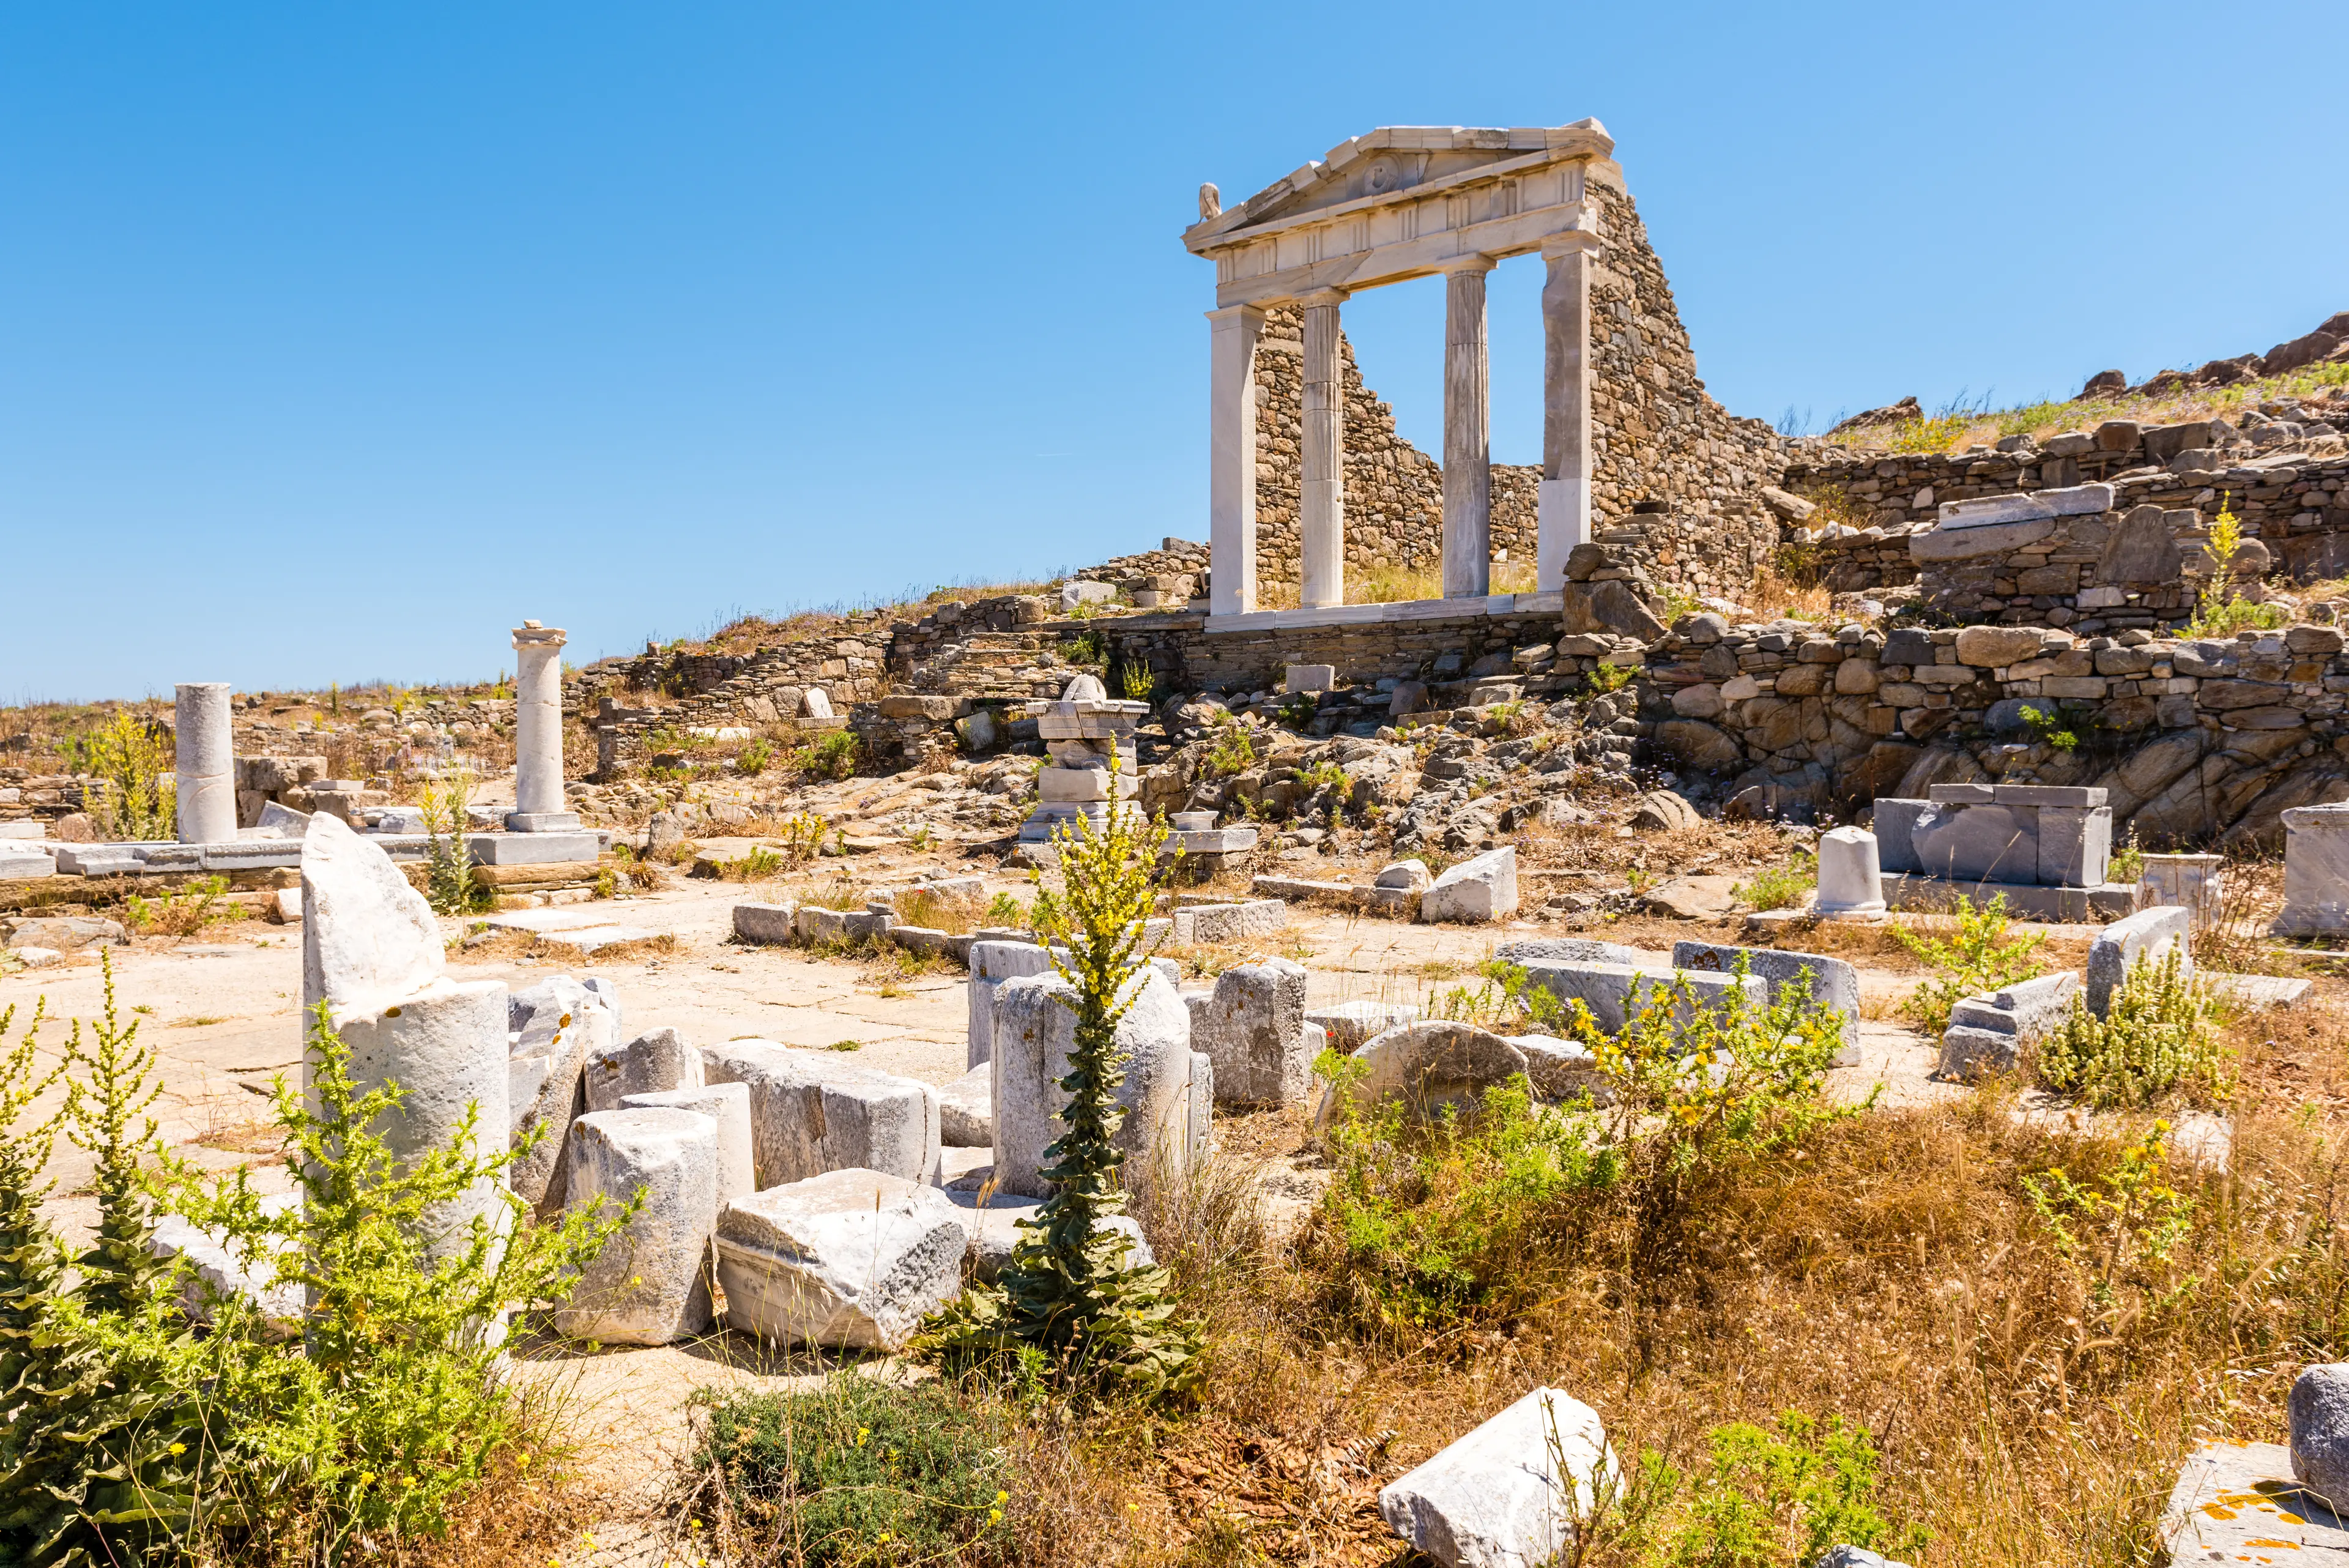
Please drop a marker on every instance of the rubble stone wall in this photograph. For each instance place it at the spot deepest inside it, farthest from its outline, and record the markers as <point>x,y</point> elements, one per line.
<point>2195,740</point>
<point>1676,478</point>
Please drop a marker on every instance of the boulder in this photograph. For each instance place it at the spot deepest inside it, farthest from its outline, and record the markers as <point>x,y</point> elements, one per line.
<point>1661,811</point>
<point>1429,1065</point>
<point>62,933</point>
<point>1252,1028</point>
<point>728,1105</point>
<point>657,1060</point>
<point>851,1260</point>
<point>1412,876</point>
<point>811,1113</point>
<point>1035,1029</point>
<point>650,1284</point>
<point>1696,744</point>
<point>1475,891</point>
<point>2319,1411</point>
<point>1348,1025</point>
<point>967,1110</point>
<point>2147,934</point>
<point>1506,1495</point>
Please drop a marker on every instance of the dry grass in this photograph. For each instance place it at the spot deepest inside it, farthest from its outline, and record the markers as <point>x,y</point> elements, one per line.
<point>1894,1273</point>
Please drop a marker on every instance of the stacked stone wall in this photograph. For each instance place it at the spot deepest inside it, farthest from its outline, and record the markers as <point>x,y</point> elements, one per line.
<point>1677,479</point>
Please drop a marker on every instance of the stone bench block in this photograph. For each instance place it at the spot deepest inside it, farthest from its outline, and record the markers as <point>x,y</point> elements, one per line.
<point>967,1110</point>
<point>652,1061</point>
<point>2075,845</point>
<point>820,924</point>
<point>1615,993</point>
<point>1978,843</point>
<point>1035,1029</point>
<point>650,1284</point>
<point>811,1113</point>
<point>1827,982</point>
<point>1506,1495</point>
<point>729,1105</point>
<point>2147,934</point>
<point>1475,891</point>
<point>19,859</point>
<point>1349,1025</point>
<point>1252,1027</point>
<point>766,923</point>
<point>1568,950</point>
<point>851,1260</point>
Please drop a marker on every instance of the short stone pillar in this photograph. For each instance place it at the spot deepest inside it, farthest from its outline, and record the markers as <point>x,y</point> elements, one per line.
<point>2188,881</point>
<point>204,763</point>
<point>1851,884</point>
<point>2315,871</point>
<point>1467,432</point>
<point>538,732</point>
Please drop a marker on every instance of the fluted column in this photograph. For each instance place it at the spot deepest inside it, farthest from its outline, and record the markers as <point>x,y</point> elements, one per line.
<point>1467,433</point>
<point>538,731</point>
<point>1322,503</point>
<point>1565,496</point>
<point>1231,457</point>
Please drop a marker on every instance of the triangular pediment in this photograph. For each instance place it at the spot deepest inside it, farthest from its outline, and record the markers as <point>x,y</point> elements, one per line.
<point>1400,162</point>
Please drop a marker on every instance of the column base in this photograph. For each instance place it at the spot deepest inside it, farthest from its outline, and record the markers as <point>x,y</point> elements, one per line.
<point>1563,513</point>
<point>541,822</point>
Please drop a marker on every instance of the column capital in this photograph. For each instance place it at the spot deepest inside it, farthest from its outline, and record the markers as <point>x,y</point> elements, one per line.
<point>1475,262</point>
<point>1573,242</point>
<point>530,634</point>
<point>1321,297</point>
<point>1224,315</point>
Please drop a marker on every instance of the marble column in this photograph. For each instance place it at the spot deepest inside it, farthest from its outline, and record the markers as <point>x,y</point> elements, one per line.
<point>1231,459</point>
<point>204,763</point>
<point>538,732</point>
<point>1322,499</point>
<point>1564,495</point>
<point>1467,433</point>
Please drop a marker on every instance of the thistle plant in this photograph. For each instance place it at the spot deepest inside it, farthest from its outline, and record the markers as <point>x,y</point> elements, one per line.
<point>1071,1306</point>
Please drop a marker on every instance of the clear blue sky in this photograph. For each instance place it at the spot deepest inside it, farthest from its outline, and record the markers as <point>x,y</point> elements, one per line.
<point>335,341</point>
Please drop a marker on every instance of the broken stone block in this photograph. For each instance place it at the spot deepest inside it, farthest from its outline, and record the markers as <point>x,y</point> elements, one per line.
<point>650,1284</point>
<point>652,1061</point>
<point>2315,871</point>
<point>1035,1029</point>
<point>1895,826</point>
<point>1206,924</point>
<point>1478,890</point>
<point>766,923</point>
<point>2147,934</point>
<point>727,1104</point>
<point>1978,843</point>
<point>2193,881</point>
<point>1412,876</point>
<point>1506,1495</point>
<point>967,1110</point>
<point>1829,981</point>
<point>63,933</point>
<point>1568,949</point>
<point>992,963</point>
<point>1348,1025</point>
<point>850,1259</point>
<point>1614,993</point>
<point>1429,1065</point>
<point>551,1028</point>
<point>994,1229</point>
<point>1987,1034</point>
<point>19,859</point>
<point>368,936</point>
<point>1253,1029</point>
<point>811,1113</point>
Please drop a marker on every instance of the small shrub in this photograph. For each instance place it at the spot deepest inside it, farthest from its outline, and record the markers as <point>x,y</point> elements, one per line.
<point>185,913</point>
<point>449,884</point>
<point>801,836</point>
<point>1602,679</point>
<point>832,757</point>
<point>1232,751</point>
<point>860,1471</point>
<point>2220,611</point>
<point>1137,682</point>
<point>2159,1034</point>
<point>759,864</point>
<point>755,758</point>
<point>2047,727</point>
<point>937,911</point>
<point>1005,910</point>
<point>1782,887</point>
<point>2118,1232</point>
<point>1089,647</point>
<point>2128,859</point>
<point>1978,957</point>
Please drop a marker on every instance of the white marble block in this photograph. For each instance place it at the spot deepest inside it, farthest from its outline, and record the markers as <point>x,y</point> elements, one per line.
<point>851,1259</point>
<point>1475,891</point>
<point>2193,882</point>
<point>656,1060</point>
<point>810,1113</point>
<point>203,763</point>
<point>367,936</point>
<point>727,1104</point>
<point>1035,1028</point>
<point>2149,934</point>
<point>1506,1495</point>
<point>1851,884</point>
<point>551,1027</point>
<point>1252,1027</point>
<point>992,963</point>
<point>967,1110</point>
<point>650,1284</point>
<point>2315,871</point>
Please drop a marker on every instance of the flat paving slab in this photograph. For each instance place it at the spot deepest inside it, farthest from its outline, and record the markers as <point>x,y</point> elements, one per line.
<point>2237,1503</point>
